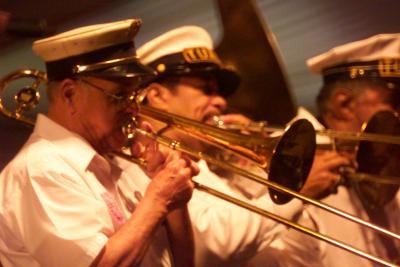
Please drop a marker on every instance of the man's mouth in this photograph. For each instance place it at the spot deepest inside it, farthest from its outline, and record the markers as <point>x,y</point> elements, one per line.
<point>211,118</point>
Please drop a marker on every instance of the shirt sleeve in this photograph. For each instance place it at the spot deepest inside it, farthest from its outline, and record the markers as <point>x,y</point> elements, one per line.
<point>226,231</point>
<point>57,217</point>
<point>294,248</point>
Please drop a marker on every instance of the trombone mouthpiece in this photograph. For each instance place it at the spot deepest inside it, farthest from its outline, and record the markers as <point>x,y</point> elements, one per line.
<point>129,126</point>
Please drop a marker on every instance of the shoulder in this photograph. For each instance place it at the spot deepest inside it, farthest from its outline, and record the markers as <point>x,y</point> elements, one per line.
<point>37,158</point>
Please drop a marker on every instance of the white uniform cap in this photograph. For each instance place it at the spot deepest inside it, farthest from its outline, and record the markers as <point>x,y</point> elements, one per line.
<point>105,50</point>
<point>86,39</point>
<point>374,57</point>
<point>187,50</point>
<point>174,41</point>
<point>374,48</point>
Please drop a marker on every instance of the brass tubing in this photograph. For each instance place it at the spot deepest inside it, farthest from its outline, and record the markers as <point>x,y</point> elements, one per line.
<point>347,135</point>
<point>214,135</point>
<point>293,225</point>
<point>179,147</point>
<point>360,136</point>
<point>229,167</point>
<point>173,144</point>
<point>351,174</point>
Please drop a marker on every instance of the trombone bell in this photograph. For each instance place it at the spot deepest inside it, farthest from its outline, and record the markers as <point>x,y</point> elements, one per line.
<point>380,159</point>
<point>292,159</point>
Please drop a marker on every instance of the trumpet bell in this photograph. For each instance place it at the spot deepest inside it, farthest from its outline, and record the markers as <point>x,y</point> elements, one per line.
<point>380,159</point>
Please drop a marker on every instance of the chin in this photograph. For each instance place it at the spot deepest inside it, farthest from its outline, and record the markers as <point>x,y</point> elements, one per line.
<point>113,143</point>
<point>117,142</point>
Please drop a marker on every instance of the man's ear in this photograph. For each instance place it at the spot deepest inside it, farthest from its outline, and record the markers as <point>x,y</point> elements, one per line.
<point>340,110</point>
<point>68,94</point>
<point>158,96</point>
<point>342,105</point>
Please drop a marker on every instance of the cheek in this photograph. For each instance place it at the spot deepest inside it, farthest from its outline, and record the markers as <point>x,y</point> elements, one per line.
<point>102,118</point>
<point>183,106</point>
<point>367,111</point>
<point>197,109</point>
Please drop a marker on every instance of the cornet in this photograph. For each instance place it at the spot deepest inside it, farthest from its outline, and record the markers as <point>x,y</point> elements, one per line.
<point>288,156</point>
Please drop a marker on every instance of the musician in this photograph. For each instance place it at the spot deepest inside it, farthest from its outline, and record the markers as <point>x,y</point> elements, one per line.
<point>359,79</point>
<point>193,82</point>
<point>63,202</point>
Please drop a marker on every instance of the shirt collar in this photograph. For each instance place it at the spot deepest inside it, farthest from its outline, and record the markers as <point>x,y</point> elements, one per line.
<point>73,146</point>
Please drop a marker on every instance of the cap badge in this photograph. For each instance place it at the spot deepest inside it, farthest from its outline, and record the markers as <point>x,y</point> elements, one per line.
<point>161,68</point>
<point>200,54</point>
<point>389,67</point>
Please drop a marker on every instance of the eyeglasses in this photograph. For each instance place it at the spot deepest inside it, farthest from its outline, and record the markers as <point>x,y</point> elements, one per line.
<point>126,97</point>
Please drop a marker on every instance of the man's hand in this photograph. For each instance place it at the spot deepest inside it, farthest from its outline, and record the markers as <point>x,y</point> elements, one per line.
<point>171,181</point>
<point>170,189</point>
<point>237,119</point>
<point>170,171</point>
<point>323,178</point>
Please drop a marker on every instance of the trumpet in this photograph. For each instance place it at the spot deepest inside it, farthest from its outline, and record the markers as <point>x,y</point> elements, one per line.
<point>283,153</point>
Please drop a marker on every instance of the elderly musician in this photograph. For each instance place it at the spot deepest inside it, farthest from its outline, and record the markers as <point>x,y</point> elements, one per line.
<point>192,82</point>
<point>359,79</point>
<point>63,200</point>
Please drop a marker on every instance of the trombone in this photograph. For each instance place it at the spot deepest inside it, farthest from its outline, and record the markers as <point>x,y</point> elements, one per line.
<point>30,96</point>
<point>260,127</point>
<point>375,148</point>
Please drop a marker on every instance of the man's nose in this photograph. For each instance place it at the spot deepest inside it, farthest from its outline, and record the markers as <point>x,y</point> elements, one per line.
<point>218,102</point>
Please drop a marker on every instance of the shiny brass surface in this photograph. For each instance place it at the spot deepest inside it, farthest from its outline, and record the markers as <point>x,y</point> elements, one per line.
<point>379,159</point>
<point>287,159</point>
<point>370,139</point>
<point>263,127</point>
<point>27,98</point>
<point>191,126</point>
<point>225,165</point>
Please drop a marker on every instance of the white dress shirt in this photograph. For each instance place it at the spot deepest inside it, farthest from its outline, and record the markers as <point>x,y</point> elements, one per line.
<point>60,201</point>
<point>227,235</point>
<point>290,249</point>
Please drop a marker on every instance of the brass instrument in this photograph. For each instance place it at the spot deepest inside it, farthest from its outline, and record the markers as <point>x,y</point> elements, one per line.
<point>376,148</point>
<point>379,159</point>
<point>260,127</point>
<point>236,142</point>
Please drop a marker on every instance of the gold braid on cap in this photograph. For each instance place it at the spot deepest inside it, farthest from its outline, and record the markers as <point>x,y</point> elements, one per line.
<point>383,68</point>
<point>200,54</point>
